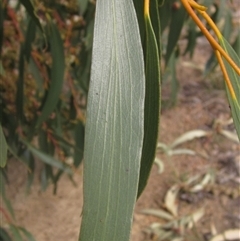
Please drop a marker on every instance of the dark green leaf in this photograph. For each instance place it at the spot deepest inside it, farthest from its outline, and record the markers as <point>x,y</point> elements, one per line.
<point>55,180</point>
<point>20,86</point>
<point>115,121</point>
<point>152,104</point>
<point>139,4</point>
<point>79,142</point>
<point>176,24</point>
<point>4,235</point>
<point>1,27</point>
<point>3,148</point>
<point>165,13</point>
<point>30,9</point>
<point>174,80</point>
<point>31,168</point>
<point>57,74</point>
<point>15,233</point>
<point>155,22</point>
<point>30,36</point>
<point>27,234</point>
<point>191,38</point>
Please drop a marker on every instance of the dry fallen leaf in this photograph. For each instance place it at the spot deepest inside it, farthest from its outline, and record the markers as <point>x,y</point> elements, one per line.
<point>158,213</point>
<point>170,200</point>
<point>195,217</point>
<point>206,179</point>
<point>228,235</point>
<point>188,136</point>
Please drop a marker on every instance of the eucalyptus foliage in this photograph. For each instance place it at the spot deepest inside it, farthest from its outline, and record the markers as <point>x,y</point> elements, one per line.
<point>46,56</point>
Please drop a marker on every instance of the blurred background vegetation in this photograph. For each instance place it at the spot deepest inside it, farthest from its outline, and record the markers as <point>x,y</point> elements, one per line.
<point>45,51</point>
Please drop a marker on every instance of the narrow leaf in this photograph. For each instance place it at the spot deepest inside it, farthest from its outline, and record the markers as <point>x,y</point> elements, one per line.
<point>165,13</point>
<point>1,27</point>
<point>155,22</point>
<point>152,105</point>
<point>48,159</point>
<point>177,21</point>
<point>3,194</point>
<point>234,101</point>
<point>31,11</point>
<point>3,148</point>
<point>27,234</point>
<point>4,235</point>
<point>20,86</point>
<point>30,36</point>
<point>57,73</point>
<point>79,142</point>
<point>15,233</point>
<point>114,127</point>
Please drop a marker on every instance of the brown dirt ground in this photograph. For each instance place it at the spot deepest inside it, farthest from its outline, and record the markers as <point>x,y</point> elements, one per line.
<point>200,102</point>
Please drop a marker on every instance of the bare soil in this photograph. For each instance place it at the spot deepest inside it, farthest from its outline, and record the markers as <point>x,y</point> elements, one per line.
<point>201,101</point>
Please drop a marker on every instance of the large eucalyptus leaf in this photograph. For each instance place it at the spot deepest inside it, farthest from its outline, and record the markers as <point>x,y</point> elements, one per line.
<point>234,100</point>
<point>114,126</point>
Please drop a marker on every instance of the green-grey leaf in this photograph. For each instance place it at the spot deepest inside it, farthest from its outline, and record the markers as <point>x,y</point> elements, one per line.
<point>235,80</point>
<point>236,44</point>
<point>3,148</point>
<point>152,105</point>
<point>115,123</point>
<point>48,159</point>
<point>57,73</point>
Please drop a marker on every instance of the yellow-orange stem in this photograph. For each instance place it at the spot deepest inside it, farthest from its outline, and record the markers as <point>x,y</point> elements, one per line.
<point>225,74</point>
<point>212,41</point>
<point>146,8</point>
<point>197,6</point>
<point>211,24</point>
